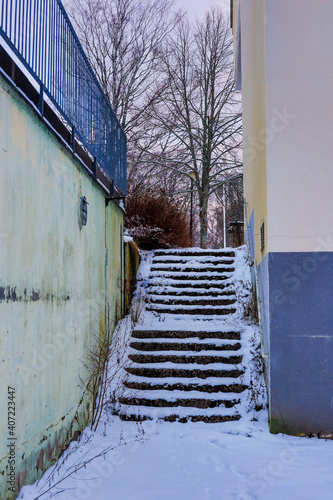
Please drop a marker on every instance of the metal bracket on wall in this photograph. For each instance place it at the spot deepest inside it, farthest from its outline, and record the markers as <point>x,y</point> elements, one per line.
<point>41,100</point>
<point>73,139</point>
<point>112,196</point>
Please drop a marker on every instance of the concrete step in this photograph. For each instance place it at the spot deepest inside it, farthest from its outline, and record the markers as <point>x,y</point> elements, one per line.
<point>181,346</point>
<point>182,372</point>
<point>219,311</point>
<point>191,252</point>
<point>213,301</point>
<point>211,419</point>
<point>200,284</point>
<point>189,260</point>
<point>182,334</point>
<point>185,403</point>
<point>156,291</point>
<point>188,277</point>
<point>205,388</point>
<point>192,269</point>
<point>185,359</point>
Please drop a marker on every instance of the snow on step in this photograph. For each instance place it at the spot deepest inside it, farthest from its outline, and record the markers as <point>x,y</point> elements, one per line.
<point>170,291</point>
<point>213,312</point>
<point>196,252</point>
<point>179,374</point>
<point>206,275</point>
<point>219,300</point>
<point>190,267</point>
<point>186,334</point>
<point>189,347</point>
<point>180,414</point>
<point>209,386</point>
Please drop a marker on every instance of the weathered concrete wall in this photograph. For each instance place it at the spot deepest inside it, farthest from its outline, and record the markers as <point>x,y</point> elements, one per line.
<point>132,261</point>
<point>54,288</point>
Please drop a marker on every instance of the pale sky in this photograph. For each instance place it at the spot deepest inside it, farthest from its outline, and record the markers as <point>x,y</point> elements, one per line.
<point>197,8</point>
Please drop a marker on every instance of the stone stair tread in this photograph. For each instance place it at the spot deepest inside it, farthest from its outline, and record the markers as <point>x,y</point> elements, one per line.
<point>190,348</point>
<point>188,260</point>
<point>186,292</point>
<point>191,275</point>
<point>181,414</point>
<point>178,394</point>
<point>184,371</point>
<point>159,412</point>
<point>197,387</point>
<point>190,307</point>
<point>204,311</point>
<point>188,359</point>
<point>211,342</point>
<point>186,334</point>
<point>182,402</point>
<point>187,354</point>
<point>211,381</point>
<point>176,418</point>
<point>199,285</point>
<point>196,365</point>
<point>199,295</point>
<point>212,301</point>
<point>186,268</point>
<point>196,252</point>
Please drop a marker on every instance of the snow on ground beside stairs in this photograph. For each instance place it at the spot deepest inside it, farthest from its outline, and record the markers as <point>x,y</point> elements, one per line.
<point>158,460</point>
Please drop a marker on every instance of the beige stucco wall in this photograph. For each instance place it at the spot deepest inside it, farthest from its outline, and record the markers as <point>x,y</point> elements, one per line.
<point>253,75</point>
<point>53,286</point>
<point>287,76</point>
<point>299,74</point>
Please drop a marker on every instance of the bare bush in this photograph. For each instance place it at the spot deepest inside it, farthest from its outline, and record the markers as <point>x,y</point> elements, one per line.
<point>155,220</point>
<point>137,307</point>
<point>103,360</point>
<point>256,388</point>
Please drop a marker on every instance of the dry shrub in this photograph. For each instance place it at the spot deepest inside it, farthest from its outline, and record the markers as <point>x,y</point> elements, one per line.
<point>155,220</point>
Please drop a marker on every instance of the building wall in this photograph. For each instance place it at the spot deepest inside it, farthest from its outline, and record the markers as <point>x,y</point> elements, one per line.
<point>286,58</point>
<point>54,287</point>
<point>253,84</point>
<point>299,76</point>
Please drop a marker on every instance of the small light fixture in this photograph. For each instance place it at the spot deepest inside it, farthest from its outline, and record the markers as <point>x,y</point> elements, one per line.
<point>83,211</point>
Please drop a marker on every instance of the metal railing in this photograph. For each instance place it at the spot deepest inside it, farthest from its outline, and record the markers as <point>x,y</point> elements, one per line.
<point>43,38</point>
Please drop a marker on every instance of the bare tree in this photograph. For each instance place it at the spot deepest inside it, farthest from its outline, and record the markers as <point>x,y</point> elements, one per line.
<point>197,115</point>
<point>123,40</point>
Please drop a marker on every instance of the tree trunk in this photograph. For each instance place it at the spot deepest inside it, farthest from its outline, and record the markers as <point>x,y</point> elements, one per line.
<point>203,221</point>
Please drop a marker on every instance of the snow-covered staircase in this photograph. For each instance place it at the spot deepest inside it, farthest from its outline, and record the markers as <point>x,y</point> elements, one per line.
<point>181,373</point>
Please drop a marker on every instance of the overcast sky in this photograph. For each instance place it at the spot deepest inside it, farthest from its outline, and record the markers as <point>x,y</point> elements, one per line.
<point>197,8</point>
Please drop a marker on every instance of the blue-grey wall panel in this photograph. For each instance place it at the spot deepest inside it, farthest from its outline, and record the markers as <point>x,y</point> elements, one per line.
<point>301,342</point>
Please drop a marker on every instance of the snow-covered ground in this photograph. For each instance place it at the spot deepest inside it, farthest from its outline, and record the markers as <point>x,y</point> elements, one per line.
<point>158,460</point>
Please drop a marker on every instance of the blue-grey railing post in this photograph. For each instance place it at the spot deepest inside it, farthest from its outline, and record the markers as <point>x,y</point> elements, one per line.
<point>95,167</point>
<point>41,100</point>
<point>73,139</point>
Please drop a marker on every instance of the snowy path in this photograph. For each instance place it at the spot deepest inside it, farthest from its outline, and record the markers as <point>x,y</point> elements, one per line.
<point>157,460</point>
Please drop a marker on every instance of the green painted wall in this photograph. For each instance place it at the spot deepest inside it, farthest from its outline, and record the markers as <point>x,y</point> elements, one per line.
<point>54,287</point>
